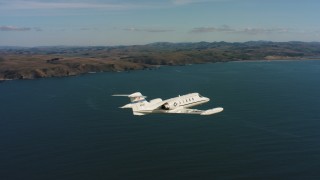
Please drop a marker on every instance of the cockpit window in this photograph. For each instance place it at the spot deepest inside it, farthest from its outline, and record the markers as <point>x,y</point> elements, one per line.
<point>200,96</point>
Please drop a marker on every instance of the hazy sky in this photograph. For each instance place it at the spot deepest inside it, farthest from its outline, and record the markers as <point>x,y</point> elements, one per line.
<point>127,22</point>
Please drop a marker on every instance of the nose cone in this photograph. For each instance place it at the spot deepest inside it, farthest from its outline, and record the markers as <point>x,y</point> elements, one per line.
<point>206,99</point>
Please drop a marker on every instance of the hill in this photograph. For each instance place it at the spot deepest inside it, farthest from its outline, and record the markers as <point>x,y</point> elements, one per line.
<point>57,61</point>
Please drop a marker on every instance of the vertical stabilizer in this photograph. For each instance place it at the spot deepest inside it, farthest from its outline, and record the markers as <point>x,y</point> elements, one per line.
<point>138,102</point>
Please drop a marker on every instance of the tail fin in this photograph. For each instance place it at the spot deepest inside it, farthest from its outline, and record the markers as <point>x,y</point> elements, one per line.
<point>137,104</point>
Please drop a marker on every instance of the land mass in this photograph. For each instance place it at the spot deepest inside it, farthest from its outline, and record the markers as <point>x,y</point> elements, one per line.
<point>59,61</point>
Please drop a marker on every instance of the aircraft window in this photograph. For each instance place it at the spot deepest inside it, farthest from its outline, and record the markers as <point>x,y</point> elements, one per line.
<point>192,99</point>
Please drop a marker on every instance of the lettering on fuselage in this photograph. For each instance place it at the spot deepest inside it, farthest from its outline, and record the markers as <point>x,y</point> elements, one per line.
<point>185,101</point>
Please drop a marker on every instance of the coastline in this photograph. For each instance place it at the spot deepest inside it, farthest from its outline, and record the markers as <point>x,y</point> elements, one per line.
<point>147,67</point>
<point>45,62</point>
<point>279,60</point>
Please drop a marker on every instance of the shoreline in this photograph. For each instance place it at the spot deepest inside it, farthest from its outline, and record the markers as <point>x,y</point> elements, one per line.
<point>61,61</point>
<point>156,67</point>
<point>278,60</point>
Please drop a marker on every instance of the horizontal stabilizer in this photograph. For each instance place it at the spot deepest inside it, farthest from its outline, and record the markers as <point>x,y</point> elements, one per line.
<point>136,94</point>
<point>124,95</point>
<point>127,106</point>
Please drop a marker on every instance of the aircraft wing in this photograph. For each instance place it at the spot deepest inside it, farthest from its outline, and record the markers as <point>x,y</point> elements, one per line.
<point>196,111</point>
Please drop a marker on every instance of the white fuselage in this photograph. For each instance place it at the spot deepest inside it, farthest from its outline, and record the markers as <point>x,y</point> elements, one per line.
<point>175,103</point>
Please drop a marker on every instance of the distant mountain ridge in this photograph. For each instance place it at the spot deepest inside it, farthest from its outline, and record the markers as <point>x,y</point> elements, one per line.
<point>56,61</point>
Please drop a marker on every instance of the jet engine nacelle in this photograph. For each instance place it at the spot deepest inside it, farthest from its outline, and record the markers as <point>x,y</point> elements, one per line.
<point>169,106</point>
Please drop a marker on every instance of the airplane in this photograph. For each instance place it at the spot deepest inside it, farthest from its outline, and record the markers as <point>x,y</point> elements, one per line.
<point>177,105</point>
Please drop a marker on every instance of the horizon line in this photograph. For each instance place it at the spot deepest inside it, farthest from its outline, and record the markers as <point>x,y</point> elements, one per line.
<point>157,42</point>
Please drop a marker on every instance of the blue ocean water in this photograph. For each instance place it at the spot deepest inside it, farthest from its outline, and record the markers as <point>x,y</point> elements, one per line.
<point>72,128</point>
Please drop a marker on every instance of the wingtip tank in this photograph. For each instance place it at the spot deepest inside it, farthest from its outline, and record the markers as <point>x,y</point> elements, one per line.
<point>212,111</point>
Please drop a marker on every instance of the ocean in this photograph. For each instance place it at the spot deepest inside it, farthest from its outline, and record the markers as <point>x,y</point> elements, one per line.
<point>72,128</point>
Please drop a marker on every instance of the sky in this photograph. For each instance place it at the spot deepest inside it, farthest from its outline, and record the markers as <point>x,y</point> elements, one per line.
<point>134,22</point>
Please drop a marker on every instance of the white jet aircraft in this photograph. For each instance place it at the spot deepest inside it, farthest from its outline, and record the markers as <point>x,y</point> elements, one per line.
<point>140,106</point>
